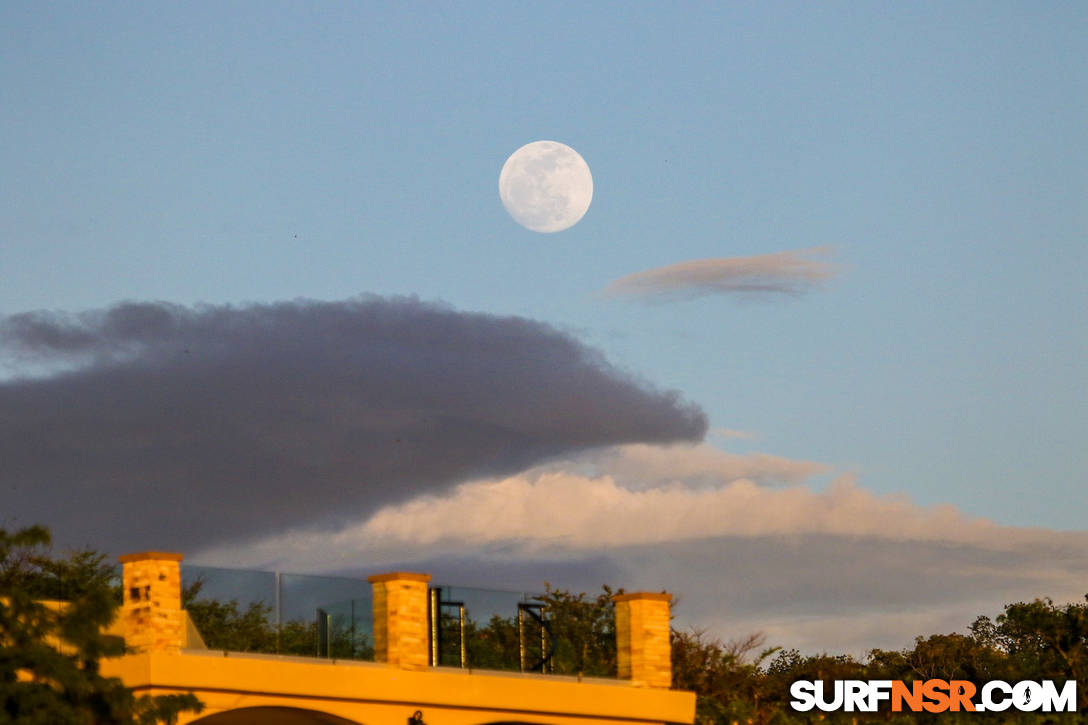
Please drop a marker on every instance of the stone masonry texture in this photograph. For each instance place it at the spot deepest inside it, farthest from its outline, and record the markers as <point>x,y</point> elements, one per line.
<point>643,651</point>
<point>401,634</point>
<point>151,611</point>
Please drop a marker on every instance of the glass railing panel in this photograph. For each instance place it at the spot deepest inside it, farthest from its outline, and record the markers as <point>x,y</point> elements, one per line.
<point>522,632</point>
<point>476,628</point>
<point>233,609</point>
<point>337,611</point>
<point>244,586</point>
<point>345,630</point>
<point>244,610</point>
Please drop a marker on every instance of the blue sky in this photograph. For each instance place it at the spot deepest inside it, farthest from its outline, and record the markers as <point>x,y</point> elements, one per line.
<point>257,152</point>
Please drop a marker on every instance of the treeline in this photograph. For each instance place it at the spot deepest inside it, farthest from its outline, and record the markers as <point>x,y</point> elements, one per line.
<point>742,682</point>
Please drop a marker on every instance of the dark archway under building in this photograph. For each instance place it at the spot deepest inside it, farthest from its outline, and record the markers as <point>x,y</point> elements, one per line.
<point>272,716</point>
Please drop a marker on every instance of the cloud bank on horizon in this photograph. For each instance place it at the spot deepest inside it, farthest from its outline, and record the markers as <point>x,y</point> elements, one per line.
<point>747,542</point>
<point>166,426</point>
<point>790,273</point>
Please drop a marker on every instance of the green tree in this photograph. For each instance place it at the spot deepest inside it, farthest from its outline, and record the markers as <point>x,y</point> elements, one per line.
<point>583,631</point>
<point>726,677</point>
<point>494,646</point>
<point>1042,640</point>
<point>941,656</point>
<point>50,653</point>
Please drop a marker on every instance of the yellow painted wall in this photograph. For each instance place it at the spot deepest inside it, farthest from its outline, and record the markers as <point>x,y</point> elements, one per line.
<point>378,694</point>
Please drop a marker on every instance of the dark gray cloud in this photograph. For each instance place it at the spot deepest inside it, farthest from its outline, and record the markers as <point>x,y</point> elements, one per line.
<point>178,427</point>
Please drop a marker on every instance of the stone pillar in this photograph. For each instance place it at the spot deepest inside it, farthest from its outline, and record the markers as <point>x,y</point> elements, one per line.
<point>151,611</point>
<point>643,651</point>
<point>401,633</point>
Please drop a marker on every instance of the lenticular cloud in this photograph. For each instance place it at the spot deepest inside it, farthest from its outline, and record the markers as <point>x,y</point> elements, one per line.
<point>779,273</point>
<point>171,426</point>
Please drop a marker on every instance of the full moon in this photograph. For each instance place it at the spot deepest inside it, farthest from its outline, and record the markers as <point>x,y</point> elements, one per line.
<point>546,186</point>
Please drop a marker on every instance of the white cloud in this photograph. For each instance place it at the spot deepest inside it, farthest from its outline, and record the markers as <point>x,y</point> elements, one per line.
<point>839,569</point>
<point>649,495</point>
<point>573,511</point>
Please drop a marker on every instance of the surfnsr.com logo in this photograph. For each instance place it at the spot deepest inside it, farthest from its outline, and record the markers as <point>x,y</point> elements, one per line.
<point>933,696</point>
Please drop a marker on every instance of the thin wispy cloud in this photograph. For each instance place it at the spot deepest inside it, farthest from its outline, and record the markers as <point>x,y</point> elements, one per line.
<point>728,433</point>
<point>642,466</point>
<point>174,426</point>
<point>781,273</point>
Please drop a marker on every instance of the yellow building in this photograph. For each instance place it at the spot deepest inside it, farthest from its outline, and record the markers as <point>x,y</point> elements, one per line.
<point>400,687</point>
